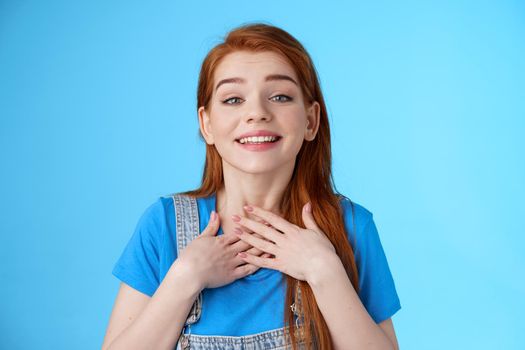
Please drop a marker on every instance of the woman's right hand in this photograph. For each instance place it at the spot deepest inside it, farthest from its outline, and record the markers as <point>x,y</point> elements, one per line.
<point>213,259</point>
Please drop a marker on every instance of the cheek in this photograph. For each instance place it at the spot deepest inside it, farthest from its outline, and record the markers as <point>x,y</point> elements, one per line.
<point>295,126</point>
<point>224,138</point>
<point>223,129</point>
<point>294,116</point>
<point>296,133</point>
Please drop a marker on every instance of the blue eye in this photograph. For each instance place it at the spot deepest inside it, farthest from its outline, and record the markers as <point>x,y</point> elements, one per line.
<point>231,98</point>
<point>227,101</point>
<point>288,97</point>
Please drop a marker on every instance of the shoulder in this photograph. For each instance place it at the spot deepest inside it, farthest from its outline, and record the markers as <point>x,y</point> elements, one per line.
<point>155,211</point>
<point>355,215</point>
<point>165,204</point>
<point>361,228</point>
<point>154,219</point>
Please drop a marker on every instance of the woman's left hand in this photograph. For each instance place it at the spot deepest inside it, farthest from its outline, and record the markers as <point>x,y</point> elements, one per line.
<point>298,252</point>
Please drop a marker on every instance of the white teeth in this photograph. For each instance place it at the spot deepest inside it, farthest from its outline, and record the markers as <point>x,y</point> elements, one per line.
<point>258,139</point>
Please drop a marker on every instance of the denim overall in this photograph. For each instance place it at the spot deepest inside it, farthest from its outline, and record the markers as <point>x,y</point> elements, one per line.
<point>187,226</point>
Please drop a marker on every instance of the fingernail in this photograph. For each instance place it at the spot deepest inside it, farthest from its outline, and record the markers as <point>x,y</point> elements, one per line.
<point>237,231</point>
<point>309,207</point>
<point>213,215</point>
<point>242,255</point>
<point>236,218</point>
<point>248,208</point>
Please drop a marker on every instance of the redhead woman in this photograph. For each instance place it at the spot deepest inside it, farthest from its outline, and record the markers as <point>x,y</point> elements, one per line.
<point>265,254</point>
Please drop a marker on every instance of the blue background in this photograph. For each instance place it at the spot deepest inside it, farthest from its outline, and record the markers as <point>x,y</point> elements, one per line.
<point>427,110</point>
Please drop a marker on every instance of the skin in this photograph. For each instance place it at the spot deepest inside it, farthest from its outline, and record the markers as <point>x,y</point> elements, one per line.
<point>307,254</point>
<point>259,178</point>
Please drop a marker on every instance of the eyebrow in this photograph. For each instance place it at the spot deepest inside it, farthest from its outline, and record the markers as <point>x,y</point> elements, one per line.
<point>271,77</point>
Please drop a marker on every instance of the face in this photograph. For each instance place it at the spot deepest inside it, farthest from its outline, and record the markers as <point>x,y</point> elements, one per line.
<point>265,97</point>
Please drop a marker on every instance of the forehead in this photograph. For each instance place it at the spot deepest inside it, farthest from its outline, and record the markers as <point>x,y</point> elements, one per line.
<point>253,65</point>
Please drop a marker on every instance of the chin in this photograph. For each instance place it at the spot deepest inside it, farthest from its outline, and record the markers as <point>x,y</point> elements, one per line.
<point>256,167</point>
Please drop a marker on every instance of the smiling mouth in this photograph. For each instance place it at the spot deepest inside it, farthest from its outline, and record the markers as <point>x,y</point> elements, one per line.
<point>259,143</point>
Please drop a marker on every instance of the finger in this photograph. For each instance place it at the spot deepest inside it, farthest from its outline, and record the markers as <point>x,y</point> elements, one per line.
<point>267,232</point>
<point>254,251</point>
<point>260,261</point>
<point>273,219</point>
<point>308,218</point>
<point>213,225</point>
<point>230,239</point>
<point>247,269</point>
<point>240,246</point>
<point>263,255</point>
<point>258,219</point>
<point>259,243</point>
<point>244,270</point>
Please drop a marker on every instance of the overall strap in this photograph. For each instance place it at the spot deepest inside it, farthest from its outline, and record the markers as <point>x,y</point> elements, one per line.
<point>297,309</point>
<point>186,220</point>
<point>187,228</point>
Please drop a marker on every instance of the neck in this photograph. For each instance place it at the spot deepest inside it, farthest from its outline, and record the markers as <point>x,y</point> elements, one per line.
<point>264,190</point>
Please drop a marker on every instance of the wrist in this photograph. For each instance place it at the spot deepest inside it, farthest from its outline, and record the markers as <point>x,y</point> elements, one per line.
<point>324,269</point>
<point>186,276</point>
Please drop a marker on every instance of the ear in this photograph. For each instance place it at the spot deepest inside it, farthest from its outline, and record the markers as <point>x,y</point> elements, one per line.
<point>313,116</point>
<point>205,125</point>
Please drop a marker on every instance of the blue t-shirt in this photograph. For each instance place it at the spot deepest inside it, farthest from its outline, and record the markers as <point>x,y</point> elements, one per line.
<point>255,303</point>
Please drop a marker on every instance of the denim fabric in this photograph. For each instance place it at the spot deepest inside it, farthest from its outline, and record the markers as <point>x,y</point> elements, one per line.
<point>272,339</point>
<point>187,223</point>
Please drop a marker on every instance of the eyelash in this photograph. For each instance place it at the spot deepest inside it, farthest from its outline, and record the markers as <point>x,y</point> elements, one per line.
<point>231,98</point>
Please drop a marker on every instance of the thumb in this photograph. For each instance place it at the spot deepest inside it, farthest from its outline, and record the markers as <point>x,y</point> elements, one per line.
<point>308,218</point>
<point>213,225</point>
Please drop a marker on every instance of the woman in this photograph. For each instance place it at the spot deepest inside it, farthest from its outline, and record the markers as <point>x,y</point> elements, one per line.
<point>274,247</point>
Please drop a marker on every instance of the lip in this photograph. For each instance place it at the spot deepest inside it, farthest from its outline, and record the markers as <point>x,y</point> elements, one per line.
<point>259,147</point>
<point>258,133</point>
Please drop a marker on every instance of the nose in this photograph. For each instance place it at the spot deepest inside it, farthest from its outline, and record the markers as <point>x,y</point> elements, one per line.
<point>258,117</point>
<point>257,112</point>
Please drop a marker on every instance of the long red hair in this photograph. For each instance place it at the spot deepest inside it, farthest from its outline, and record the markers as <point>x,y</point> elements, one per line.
<point>312,176</point>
